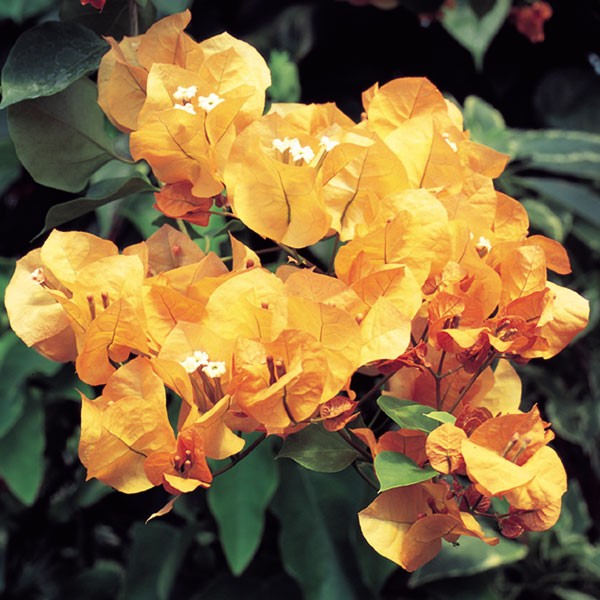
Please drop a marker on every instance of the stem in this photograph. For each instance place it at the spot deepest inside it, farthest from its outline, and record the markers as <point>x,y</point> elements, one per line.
<point>484,365</point>
<point>348,439</point>
<point>375,389</point>
<point>240,456</point>
<point>364,476</point>
<point>182,227</point>
<point>134,22</point>
<point>298,258</point>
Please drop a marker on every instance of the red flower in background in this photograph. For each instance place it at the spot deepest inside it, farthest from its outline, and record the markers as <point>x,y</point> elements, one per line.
<point>529,20</point>
<point>99,4</point>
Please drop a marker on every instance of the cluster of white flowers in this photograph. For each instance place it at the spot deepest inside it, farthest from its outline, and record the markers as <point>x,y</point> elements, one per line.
<point>296,150</point>
<point>212,368</point>
<point>185,95</point>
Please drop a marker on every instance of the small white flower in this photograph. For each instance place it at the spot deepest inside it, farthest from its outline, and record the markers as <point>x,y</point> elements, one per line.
<point>188,108</point>
<point>281,145</point>
<point>328,143</point>
<point>210,101</point>
<point>201,357</point>
<point>185,93</point>
<point>304,153</point>
<point>38,276</point>
<point>483,244</point>
<point>214,369</point>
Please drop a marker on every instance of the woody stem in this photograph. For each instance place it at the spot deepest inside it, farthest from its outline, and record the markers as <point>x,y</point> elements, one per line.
<point>240,456</point>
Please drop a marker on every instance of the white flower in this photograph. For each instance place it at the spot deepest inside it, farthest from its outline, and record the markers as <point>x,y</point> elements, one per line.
<point>185,93</point>
<point>209,102</point>
<point>37,276</point>
<point>328,143</point>
<point>214,369</point>
<point>188,108</point>
<point>193,362</point>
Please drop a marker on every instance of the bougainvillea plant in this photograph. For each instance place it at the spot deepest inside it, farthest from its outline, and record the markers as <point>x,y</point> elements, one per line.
<point>432,288</point>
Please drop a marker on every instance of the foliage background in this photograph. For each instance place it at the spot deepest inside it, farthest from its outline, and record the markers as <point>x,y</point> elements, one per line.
<point>270,527</point>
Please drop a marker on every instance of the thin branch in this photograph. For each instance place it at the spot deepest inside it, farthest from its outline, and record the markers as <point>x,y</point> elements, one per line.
<point>241,455</point>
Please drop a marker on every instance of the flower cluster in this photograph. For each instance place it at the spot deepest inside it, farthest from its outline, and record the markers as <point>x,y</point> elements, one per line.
<point>434,284</point>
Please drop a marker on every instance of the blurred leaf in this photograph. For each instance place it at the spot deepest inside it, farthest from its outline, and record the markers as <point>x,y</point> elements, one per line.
<point>476,587</point>
<point>567,594</point>
<point>314,511</point>
<point>397,470</point>
<point>470,31</point>
<point>22,451</point>
<point>569,98</point>
<point>100,582</point>
<point>471,557</point>
<point>139,209</point>
<point>154,560</point>
<point>238,500</point>
<point>576,197</point>
<point>170,7</point>
<point>19,11</point>
<point>574,153</point>
<point>481,7</point>
<point>17,363</point>
<point>543,218</point>
<point>47,59</point>
<point>317,449</point>
<point>485,124</point>
<point>407,414</point>
<point>92,491</point>
<point>61,140</point>
<point>588,234</point>
<point>285,86</point>
<point>574,518</point>
<point>98,194</point>
<point>113,20</point>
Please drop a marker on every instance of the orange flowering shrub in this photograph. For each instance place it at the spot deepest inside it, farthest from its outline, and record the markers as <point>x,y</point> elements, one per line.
<point>433,287</point>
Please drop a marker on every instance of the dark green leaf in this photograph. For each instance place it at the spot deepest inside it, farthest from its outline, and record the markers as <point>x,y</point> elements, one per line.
<point>170,7</point>
<point>317,449</point>
<point>139,209</point>
<point>92,491</point>
<point>17,363</point>
<point>407,414</point>
<point>113,20</point>
<point>588,234</point>
<point>18,10</point>
<point>154,560</point>
<point>22,451</point>
<point>576,197</point>
<point>99,194</point>
<point>100,582</point>
<point>238,500</point>
<point>397,470</point>
<point>10,167</point>
<point>574,153</point>
<point>470,557</point>
<point>315,511</point>
<point>47,59</point>
<point>61,140</point>
<point>374,568</point>
<point>474,33</point>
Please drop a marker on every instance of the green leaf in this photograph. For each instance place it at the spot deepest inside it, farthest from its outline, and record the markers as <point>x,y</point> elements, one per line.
<point>92,491</point>
<point>317,449</point>
<point>285,86</point>
<point>485,124</point>
<point>407,414</point>
<point>113,20</point>
<point>542,217</point>
<point>578,198</point>
<point>375,569</point>
<point>588,234</point>
<point>99,194</point>
<point>100,582</point>
<point>47,59</point>
<point>441,416</point>
<point>397,470</point>
<point>315,512</point>
<point>17,363</point>
<point>10,167</point>
<point>238,500</point>
<point>474,33</point>
<point>574,153</point>
<point>170,7</point>
<point>22,449</point>
<point>61,140</point>
<point>154,560</point>
<point>471,557</point>
<point>19,11</point>
<point>139,209</point>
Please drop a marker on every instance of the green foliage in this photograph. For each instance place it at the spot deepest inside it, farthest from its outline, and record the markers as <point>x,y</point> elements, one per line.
<point>18,10</point>
<point>317,449</point>
<point>397,470</point>
<point>170,7</point>
<point>47,59</point>
<point>238,500</point>
<point>475,31</point>
<point>411,415</point>
<point>285,86</point>
<point>99,194</point>
<point>62,139</point>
